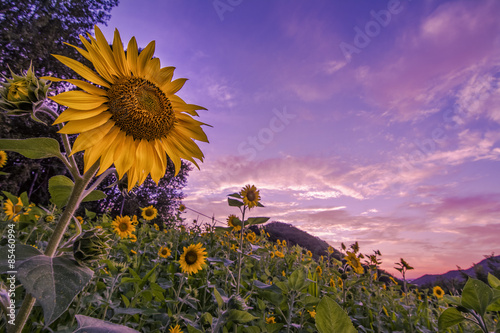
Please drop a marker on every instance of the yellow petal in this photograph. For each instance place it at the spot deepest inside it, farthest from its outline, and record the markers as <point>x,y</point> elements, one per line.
<point>158,169</point>
<point>132,55</point>
<point>192,132</point>
<point>152,67</point>
<point>107,157</point>
<point>164,75</point>
<point>144,57</point>
<point>92,137</point>
<point>90,88</point>
<point>79,126</point>
<point>172,154</point>
<point>103,45</point>
<point>72,114</point>
<point>79,100</point>
<point>125,154</point>
<point>94,153</point>
<point>82,70</point>
<point>97,59</point>
<point>143,155</point>
<point>173,87</point>
<point>84,53</point>
<point>119,54</point>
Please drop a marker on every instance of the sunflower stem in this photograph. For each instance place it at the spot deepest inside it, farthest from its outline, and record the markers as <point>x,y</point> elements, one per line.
<point>240,254</point>
<point>73,203</point>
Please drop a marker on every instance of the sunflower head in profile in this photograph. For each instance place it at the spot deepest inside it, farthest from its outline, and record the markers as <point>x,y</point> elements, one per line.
<point>193,258</point>
<point>149,213</point>
<point>438,292</point>
<point>3,158</point>
<point>122,225</point>
<point>231,222</point>
<point>164,252</point>
<point>250,195</point>
<point>14,211</point>
<point>130,116</point>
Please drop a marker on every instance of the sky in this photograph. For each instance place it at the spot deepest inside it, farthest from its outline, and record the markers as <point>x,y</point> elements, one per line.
<point>368,121</point>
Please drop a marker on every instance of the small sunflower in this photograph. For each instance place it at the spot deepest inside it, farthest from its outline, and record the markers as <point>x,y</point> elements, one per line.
<point>271,320</point>
<point>164,252</point>
<point>231,222</point>
<point>182,208</point>
<point>332,283</point>
<point>193,258</point>
<point>133,252</point>
<point>250,195</point>
<point>251,237</point>
<point>156,227</point>
<point>123,226</point>
<point>330,250</point>
<point>149,213</point>
<point>80,219</point>
<point>271,254</point>
<point>312,313</point>
<point>131,117</point>
<point>49,218</point>
<point>175,329</point>
<point>438,292</point>
<point>133,238</point>
<point>309,254</point>
<point>3,158</point>
<point>283,243</point>
<point>319,270</point>
<point>12,211</point>
<point>279,254</point>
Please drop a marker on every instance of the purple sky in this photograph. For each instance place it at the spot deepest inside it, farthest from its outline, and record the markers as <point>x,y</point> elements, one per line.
<point>369,121</point>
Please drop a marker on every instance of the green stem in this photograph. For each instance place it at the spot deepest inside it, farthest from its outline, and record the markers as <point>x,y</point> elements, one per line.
<point>240,254</point>
<point>73,203</point>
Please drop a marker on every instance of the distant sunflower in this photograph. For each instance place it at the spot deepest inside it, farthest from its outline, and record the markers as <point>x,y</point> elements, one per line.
<point>193,258</point>
<point>175,329</point>
<point>250,196</point>
<point>271,320</point>
<point>149,213</point>
<point>332,283</point>
<point>14,211</point>
<point>232,223</point>
<point>131,117</point>
<point>438,292</point>
<point>164,252</point>
<point>123,226</point>
<point>182,208</point>
<point>319,270</point>
<point>49,218</point>
<point>3,158</point>
<point>251,237</point>
<point>279,254</point>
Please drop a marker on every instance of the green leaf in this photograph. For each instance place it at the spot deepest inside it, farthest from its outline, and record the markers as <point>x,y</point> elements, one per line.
<point>330,317</point>
<point>53,281</point>
<point>235,195</point>
<point>234,202</point>
<point>240,317</point>
<point>493,281</point>
<point>297,280</point>
<point>218,298</point>
<point>60,188</point>
<point>34,148</point>
<point>476,295</point>
<point>449,317</point>
<point>94,196</point>
<point>3,173</point>
<point>257,220</point>
<point>94,325</point>
<point>191,329</point>
<point>452,300</point>
<point>271,292</point>
<point>495,303</point>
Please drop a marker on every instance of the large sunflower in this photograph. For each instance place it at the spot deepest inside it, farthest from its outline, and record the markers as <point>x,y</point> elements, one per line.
<point>193,258</point>
<point>3,158</point>
<point>123,226</point>
<point>250,195</point>
<point>131,117</point>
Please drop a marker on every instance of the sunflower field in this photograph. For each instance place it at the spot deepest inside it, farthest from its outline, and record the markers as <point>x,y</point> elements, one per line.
<point>145,273</point>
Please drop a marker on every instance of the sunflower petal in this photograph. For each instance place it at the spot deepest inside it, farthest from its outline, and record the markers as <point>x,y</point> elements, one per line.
<point>132,55</point>
<point>90,138</point>
<point>79,100</point>
<point>72,114</point>
<point>83,125</point>
<point>82,70</point>
<point>174,86</point>
<point>172,154</point>
<point>125,155</point>
<point>164,76</point>
<point>90,88</point>
<point>107,157</point>
<point>84,53</point>
<point>103,45</point>
<point>98,60</point>
<point>119,54</point>
<point>144,58</point>
<point>94,153</point>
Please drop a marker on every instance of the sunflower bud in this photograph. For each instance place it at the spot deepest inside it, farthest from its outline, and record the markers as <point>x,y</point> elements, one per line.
<point>237,303</point>
<point>91,246</point>
<point>22,94</point>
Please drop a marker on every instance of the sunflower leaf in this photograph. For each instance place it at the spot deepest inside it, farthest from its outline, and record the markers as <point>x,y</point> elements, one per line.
<point>449,317</point>
<point>476,295</point>
<point>34,148</point>
<point>330,317</point>
<point>89,324</point>
<point>234,203</point>
<point>257,220</point>
<point>60,188</point>
<point>53,281</point>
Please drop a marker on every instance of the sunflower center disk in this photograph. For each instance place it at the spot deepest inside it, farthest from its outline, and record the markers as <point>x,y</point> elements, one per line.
<point>141,109</point>
<point>123,226</point>
<point>17,209</point>
<point>251,196</point>
<point>191,258</point>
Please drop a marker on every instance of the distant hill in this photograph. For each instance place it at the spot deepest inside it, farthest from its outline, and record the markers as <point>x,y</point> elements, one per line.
<point>295,236</point>
<point>484,267</point>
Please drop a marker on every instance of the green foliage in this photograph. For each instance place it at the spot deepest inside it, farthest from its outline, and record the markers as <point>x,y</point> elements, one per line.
<point>331,317</point>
